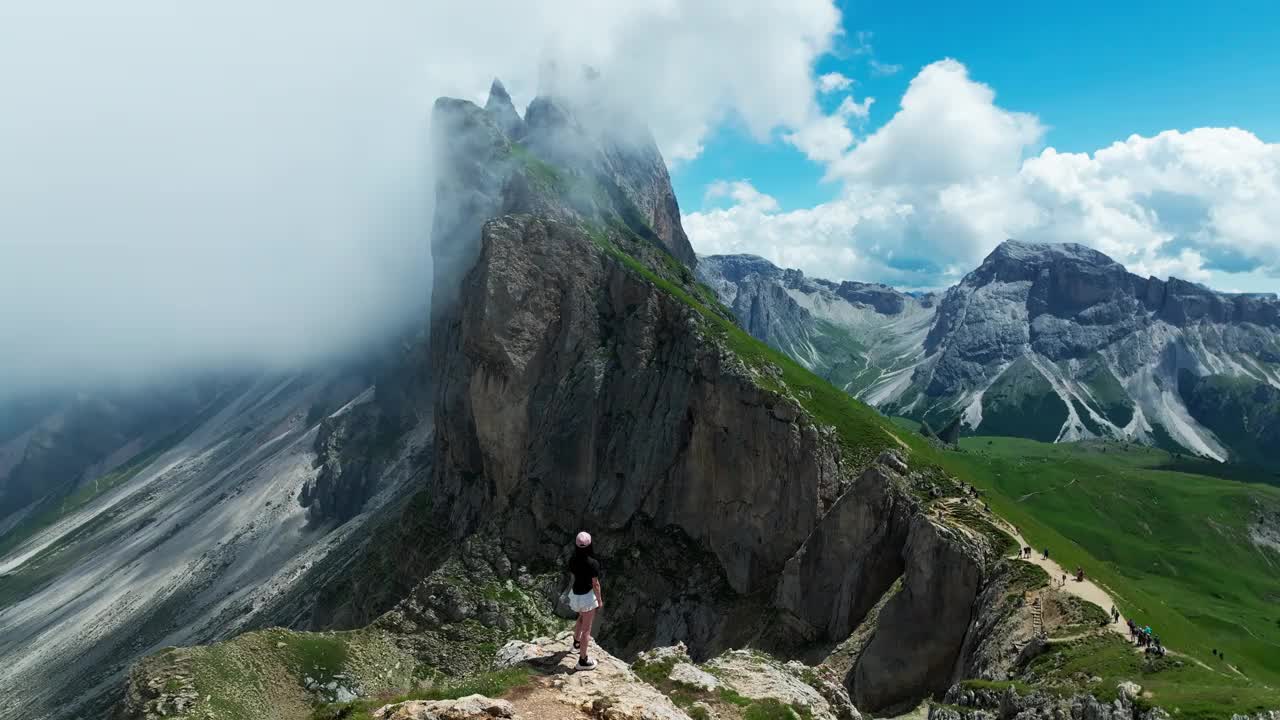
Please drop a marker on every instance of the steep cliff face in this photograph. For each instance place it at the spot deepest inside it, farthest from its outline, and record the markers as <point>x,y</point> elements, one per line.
<point>916,649</point>
<point>585,380</point>
<point>852,556</point>
<point>592,399</point>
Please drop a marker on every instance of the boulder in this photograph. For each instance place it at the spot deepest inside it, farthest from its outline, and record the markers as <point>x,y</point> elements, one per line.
<point>694,677</point>
<point>609,692</point>
<point>471,707</point>
<point>759,677</point>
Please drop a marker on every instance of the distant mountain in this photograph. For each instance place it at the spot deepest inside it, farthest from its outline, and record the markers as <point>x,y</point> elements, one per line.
<point>1053,342</point>
<point>863,338</point>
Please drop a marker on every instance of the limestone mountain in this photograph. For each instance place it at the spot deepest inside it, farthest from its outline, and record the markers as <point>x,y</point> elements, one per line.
<point>863,338</point>
<point>1052,342</point>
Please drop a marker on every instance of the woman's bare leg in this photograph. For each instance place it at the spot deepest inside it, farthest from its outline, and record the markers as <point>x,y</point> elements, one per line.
<point>585,620</point>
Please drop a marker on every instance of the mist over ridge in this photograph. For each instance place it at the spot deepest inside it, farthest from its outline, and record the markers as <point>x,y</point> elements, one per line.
<point>221,185</point>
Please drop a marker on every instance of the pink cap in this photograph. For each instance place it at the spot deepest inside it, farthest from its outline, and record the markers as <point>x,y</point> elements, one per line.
<point>584,539</point>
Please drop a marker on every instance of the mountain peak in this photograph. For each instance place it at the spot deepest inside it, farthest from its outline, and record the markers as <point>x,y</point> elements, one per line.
<point>737,267</point>
<point>1032,252</point>
<point>498,93</point>
<point>503,111</point>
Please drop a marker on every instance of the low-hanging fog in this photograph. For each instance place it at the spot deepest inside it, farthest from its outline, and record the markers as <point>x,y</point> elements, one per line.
<point>197,185</point>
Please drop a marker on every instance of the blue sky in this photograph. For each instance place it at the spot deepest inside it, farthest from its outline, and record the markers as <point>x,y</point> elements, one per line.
<point>1146,131</point>
<point>1094,72</point>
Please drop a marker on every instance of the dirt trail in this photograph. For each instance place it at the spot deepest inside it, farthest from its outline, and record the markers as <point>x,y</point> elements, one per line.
<point>1090,591</point>
<point>1085,589</point>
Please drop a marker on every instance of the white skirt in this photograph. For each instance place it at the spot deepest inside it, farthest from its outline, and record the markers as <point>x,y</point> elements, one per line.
<point>582,603</point>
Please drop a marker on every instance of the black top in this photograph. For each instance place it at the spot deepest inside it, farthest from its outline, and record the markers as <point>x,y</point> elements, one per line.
<point>584,568</point>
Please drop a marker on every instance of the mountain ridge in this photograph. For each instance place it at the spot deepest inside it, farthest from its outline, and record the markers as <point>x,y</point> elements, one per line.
<point>1056,331</point>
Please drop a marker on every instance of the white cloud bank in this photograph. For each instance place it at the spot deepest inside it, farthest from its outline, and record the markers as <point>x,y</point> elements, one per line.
<point>952,174</point>
<point>195,184</point>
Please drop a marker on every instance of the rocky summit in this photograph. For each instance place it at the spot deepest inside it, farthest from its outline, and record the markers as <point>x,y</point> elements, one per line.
<point>1051,342</point>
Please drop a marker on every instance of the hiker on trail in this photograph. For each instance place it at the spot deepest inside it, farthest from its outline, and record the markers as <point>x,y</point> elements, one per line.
<point>585,597</point>
<point>1046,554</point>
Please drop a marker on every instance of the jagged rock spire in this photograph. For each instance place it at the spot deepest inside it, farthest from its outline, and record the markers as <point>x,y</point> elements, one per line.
<point>504,114</point>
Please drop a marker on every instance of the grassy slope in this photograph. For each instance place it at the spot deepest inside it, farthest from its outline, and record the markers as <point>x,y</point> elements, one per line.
<point>1171,546</point>
<point>264,673</point>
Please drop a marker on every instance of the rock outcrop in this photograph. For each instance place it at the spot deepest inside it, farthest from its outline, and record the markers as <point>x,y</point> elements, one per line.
<point>471,707</point>
<point>350,451</point>
<point>964,703</point>
<point>611,691</point>
<point>852,557</point>
<point>916,647</point>
<point>761,678</point>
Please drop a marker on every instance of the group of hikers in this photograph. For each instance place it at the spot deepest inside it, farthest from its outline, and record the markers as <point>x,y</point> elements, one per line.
<point>1143,637</point>
<point>1026,552</point>
<point>1044,555</point>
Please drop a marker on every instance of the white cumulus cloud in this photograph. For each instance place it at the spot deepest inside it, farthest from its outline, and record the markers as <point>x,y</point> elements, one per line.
<point>833,81</point>
<point>926,196</point>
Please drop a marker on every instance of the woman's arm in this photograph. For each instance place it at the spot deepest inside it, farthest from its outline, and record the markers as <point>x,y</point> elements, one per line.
<point>595,585</point>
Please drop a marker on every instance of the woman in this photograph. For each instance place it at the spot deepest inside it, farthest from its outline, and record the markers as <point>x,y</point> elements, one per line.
<point>585,596</point>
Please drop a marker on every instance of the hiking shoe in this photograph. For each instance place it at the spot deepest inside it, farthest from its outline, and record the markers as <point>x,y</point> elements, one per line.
<point>586,663</point>
<point>577,645</point>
